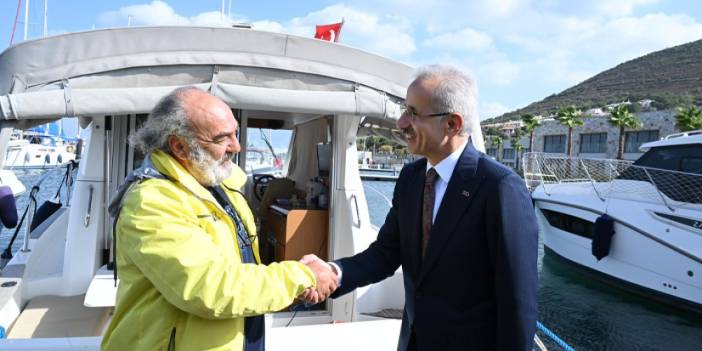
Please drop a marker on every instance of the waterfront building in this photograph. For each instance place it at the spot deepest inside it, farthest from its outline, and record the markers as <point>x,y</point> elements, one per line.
<point>597,138</point>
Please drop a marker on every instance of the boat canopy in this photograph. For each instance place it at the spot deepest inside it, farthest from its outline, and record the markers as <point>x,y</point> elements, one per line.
<point>126,70</point>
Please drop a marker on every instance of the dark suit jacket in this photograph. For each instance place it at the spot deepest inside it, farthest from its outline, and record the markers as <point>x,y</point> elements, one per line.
<point>476,287</point>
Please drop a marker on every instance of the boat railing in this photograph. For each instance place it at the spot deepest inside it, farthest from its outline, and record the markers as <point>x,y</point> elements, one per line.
<point>613,179</point>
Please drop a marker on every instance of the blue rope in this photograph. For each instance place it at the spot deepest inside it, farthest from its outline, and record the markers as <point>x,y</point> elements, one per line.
<point>554,337</point>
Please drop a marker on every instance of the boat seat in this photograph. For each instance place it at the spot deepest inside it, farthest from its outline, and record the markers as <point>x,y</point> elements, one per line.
<point>59,316</point>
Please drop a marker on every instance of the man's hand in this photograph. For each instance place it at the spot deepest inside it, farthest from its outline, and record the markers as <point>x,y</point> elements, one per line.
<point>326,280</point>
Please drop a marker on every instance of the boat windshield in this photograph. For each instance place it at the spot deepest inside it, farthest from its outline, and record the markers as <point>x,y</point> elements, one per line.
<point>683,158</point>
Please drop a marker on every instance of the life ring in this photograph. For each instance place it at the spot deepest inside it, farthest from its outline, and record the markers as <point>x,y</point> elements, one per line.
<point>70,148</point>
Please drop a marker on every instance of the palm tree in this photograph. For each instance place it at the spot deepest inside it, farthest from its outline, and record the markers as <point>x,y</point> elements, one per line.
<point>530,122</point>
<point>622,118</point>
<point>497,142</point>
<point>689,119</point>
<point>571,117</point>
<point>517,146</point>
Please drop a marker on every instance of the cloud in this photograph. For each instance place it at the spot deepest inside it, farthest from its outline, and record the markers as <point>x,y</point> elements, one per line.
<point>386,34</point>
<point>158,13</point>
<point>619,7</point>
<point>514,48</point>
<point>635,36</point>
<point>492,109</point>
<point>500,72</point>
<point>269,26</point>
<point>465,39</point>
<point>564,50</point>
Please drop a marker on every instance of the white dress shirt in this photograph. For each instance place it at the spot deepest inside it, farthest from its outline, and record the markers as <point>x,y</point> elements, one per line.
<point>444,169</point>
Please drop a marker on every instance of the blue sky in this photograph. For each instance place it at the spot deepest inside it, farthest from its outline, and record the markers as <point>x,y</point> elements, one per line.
<point>519,51</point>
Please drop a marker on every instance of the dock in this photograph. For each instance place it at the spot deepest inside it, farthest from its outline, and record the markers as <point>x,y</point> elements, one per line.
<point>387,174</point>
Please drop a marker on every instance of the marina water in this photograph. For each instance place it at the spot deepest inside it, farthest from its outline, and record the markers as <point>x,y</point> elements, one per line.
<point>585,312</point>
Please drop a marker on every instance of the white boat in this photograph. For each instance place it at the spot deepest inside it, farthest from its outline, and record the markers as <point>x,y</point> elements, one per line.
<point>9,178</point>
<point>37,150</point>
<point>654,204</point>
<point>59,293</point>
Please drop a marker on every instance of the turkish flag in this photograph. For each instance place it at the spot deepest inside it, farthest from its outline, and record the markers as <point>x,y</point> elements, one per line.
<point>329,32</point>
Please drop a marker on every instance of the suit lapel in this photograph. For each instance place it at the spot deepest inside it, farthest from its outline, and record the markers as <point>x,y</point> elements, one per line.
<point>457,198</point>
<point>414,216</point>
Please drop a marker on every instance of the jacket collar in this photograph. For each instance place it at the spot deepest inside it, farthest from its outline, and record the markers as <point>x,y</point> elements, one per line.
<point>171,168</point>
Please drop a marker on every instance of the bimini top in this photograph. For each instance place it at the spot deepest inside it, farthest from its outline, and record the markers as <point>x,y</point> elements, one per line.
<point>126,71</point>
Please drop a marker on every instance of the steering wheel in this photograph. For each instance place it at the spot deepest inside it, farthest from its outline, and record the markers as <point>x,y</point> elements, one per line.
<point>261,182</point>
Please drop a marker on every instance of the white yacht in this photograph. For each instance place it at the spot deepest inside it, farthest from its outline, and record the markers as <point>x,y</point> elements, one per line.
<point>58,293</point>
<point>638,225</point>
<point>34,150</point>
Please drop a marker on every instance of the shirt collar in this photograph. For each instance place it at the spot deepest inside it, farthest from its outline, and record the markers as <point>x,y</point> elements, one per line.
<point>446,166</point>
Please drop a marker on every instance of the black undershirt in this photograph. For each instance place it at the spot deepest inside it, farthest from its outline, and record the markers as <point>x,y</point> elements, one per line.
<point>254,327</point>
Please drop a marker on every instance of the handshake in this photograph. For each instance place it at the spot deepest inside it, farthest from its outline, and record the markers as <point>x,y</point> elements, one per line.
<point>326,276</point>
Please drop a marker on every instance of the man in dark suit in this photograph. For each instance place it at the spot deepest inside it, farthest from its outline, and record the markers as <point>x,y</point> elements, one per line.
<point>461,225</point>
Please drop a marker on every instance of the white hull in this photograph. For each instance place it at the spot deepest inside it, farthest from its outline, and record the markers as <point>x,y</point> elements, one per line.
<point>646,251</point>
<point>9,178</point>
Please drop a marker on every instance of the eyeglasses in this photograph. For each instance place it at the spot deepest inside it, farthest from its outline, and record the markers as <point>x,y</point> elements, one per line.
<point>414,116</point>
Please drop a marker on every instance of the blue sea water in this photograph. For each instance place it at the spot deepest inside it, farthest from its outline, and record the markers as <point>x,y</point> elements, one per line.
<point>48,181</point>
<point>586,313</point>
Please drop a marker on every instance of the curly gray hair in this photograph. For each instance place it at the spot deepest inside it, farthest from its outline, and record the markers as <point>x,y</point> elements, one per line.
<point>167,118</point>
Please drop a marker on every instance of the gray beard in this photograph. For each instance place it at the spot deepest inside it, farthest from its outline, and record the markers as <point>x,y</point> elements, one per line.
<point>211,170</point>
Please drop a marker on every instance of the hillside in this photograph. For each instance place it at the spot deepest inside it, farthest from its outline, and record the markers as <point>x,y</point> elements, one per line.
<point>670,77</point>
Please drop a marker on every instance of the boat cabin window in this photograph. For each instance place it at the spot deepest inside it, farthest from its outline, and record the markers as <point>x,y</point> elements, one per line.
<point>570,224</point>
<point>684,158</point>
<point>266,150</point>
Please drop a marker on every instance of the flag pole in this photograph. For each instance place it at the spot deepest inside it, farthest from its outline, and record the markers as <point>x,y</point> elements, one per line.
<point>336,38</point>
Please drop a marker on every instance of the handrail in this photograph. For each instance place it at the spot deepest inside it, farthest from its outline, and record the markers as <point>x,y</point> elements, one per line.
<point>615,178</point>
<point>592,182</point>
<point>554,337</point>
<point>31,209</point>
<point>86,221</point>
<point>358,213</point>
<point>657,190</point>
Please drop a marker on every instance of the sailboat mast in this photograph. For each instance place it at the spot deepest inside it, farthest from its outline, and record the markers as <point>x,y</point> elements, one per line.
<point>46,18</point>
<point>222,12</point>
<point>26,19</point>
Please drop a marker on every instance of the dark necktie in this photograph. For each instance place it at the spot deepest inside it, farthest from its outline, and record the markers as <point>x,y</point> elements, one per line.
<point>428,207</point>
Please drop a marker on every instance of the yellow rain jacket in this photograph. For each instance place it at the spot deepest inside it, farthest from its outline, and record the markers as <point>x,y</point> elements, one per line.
<point>180,270</point>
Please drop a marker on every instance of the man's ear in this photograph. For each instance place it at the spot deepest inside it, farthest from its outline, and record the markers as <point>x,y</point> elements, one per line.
<point>455,123</point>
<point>179,149</point>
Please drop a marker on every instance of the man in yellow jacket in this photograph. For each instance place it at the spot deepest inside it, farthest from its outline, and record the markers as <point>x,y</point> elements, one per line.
<point>186,246</point>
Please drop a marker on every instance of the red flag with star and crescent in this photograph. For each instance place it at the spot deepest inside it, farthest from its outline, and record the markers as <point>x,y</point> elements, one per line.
<point>329,32</point>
